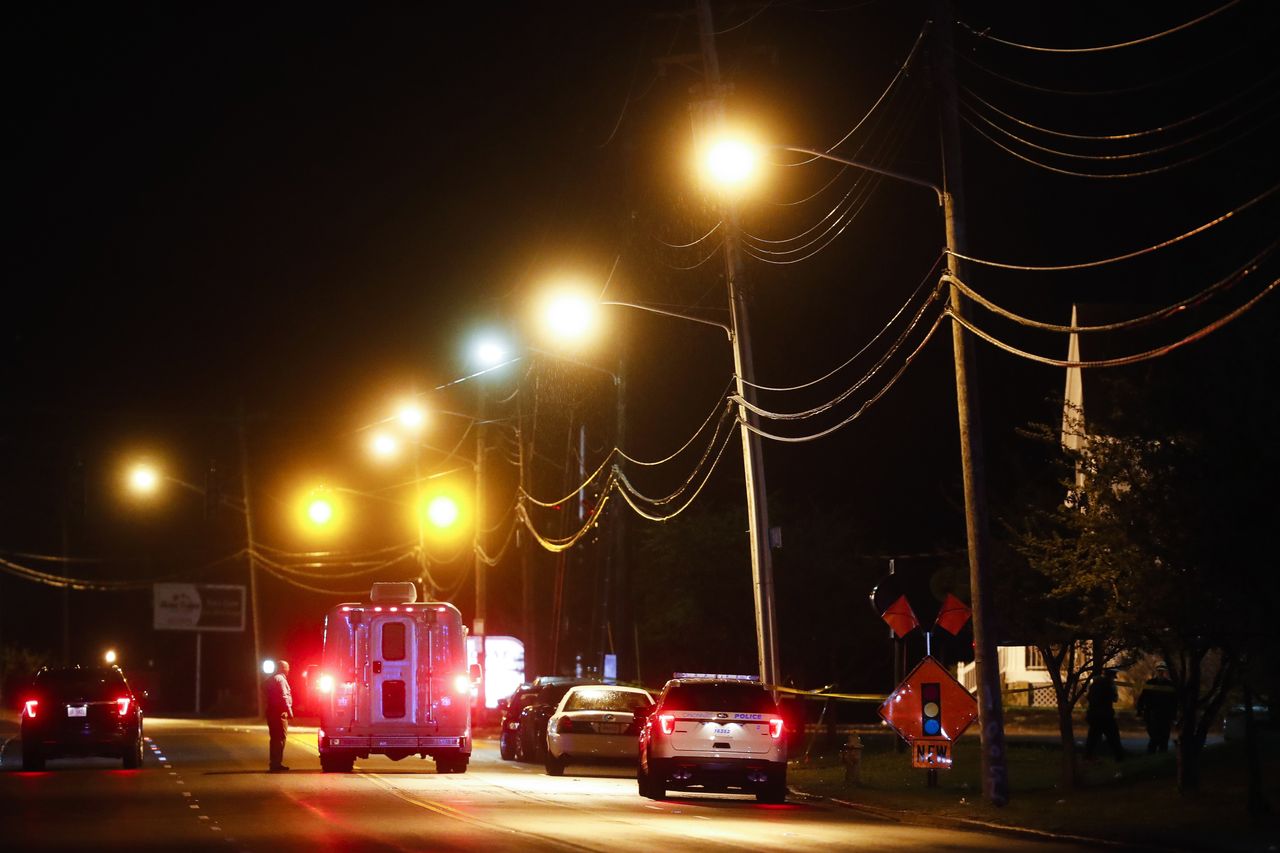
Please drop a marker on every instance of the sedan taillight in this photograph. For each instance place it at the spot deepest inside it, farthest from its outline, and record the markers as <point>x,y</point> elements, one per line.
<point>564,725</point>
<point>123,705</point>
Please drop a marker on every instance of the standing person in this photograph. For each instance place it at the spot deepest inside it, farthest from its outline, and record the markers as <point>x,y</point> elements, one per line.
<point>279,702</point>
<point>1158,705</point>
<point>1101,715</point>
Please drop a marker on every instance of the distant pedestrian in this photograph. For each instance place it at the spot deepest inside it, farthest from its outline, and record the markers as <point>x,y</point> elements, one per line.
<point>279,703</point>
<point>1158,706</point>
<point>1101,715</point>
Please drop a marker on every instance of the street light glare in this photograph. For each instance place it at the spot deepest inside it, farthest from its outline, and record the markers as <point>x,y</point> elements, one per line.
<point>383,446</point>
<point>732,162</point>
<point>442,511</point>
<point>144,479</point>
<point>110,656</point>
<point>411,416</point>
<point>570,317</point>
<point>320,511</point>
<point>490,352</point>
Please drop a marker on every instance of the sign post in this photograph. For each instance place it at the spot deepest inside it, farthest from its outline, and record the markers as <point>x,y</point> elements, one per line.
<point>197,607</point>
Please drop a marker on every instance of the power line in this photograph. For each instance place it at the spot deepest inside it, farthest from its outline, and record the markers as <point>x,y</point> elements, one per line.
<point>1128,255</point>
<point>1099,48</point>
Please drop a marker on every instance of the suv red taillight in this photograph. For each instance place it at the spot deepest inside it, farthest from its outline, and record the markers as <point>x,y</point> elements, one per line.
<point>667,722</point>
<point>29,708</point>
<point>123,704</point>
<point>775,728</point>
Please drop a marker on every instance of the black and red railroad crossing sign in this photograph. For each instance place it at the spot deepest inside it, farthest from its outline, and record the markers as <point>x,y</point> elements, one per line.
<point>930,709</point>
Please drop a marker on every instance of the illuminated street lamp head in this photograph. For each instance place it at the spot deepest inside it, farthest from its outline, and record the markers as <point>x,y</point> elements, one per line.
<point>731,162</point>
<point>442,511</point>
<point>490,352</point>
<point>320,511</point>
<point>383,446</point>
<point>144,479</point>
<point>411,416</point>
<point>570,317</point>
<point>110,656</point>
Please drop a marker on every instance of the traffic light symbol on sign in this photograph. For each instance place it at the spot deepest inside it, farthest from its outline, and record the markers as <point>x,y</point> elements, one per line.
<point>931,708</point>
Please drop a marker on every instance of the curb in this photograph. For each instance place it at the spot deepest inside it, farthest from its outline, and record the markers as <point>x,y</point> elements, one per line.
<point>973,824</point>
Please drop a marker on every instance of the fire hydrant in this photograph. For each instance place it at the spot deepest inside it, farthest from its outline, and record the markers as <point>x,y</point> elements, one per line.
<point>851,754</point>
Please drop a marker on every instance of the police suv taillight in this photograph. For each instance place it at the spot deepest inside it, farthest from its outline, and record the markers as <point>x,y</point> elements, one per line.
<point>775,727</point>
<point>667,722</point>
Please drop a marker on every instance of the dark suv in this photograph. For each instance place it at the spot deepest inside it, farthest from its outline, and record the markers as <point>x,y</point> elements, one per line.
<point>84,711</point>
<point>538,708</point>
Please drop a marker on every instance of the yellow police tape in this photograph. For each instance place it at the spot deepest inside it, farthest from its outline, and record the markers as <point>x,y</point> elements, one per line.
<point>877,698</point>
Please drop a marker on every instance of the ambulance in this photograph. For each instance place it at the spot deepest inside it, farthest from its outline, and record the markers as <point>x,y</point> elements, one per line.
<point>394,681</point>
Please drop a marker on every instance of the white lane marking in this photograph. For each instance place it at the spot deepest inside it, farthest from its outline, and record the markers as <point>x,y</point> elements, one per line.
<point>701,817</point>
<point>186,793</point>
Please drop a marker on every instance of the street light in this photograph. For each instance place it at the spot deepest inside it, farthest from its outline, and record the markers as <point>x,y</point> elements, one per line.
<point>110,656</point>
<point>143,479</point>
<point>411,416</point>
<point>971,455</point>
<point>570,315</point>
<point>384,446</point>
<point>442,511</point>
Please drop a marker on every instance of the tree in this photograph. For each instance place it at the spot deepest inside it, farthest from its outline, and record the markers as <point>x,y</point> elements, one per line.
<point>1149,544</point>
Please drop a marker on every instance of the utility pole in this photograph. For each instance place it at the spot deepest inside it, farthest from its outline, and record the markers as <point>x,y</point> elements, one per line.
<point>744,372</point>
<point>248,545</point>
<point>995,781</point>
<point>615,579</point>
<point>478,623</point>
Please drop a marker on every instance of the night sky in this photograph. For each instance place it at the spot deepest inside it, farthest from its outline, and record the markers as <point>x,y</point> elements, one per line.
<point>308,211</point>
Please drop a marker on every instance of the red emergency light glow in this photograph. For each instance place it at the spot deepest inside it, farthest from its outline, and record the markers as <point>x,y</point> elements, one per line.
<point>346,610</point>
<point>123,704</point>
<point>29,707</point>
<point>408,610</point>
<point>462,683</point>
<point>377,610</point>
<point>668,723</point>
<point>775,728</point>
<point>394,609</point>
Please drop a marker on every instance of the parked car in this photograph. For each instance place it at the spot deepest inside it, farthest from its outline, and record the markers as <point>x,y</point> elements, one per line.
<point>535,714</point>
<point>713,732</point>
<point>595,723</point>
<point>509,730</point>
<point>81,711</point>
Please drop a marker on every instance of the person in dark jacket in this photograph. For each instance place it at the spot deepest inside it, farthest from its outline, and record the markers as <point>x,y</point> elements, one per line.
<point>1101,716</point>
<point>1158,706</point>
<point>279,705</point>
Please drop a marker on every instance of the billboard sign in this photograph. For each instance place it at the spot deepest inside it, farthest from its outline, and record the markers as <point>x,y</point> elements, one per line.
<point>198,607</point>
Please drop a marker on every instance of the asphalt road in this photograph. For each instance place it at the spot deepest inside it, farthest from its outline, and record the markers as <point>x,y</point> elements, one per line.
<point>204,787</point>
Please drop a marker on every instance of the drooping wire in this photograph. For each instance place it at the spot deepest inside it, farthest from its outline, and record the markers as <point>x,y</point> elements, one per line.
<point>983,34</point>
<point>923,281</point>
<point>856,386</point>
<point>1132,134</point>
<point>714,229</point>
<point>1135,322</point>
<point>91,585</point>
<point>651,516</point>
<point>861,409</point>
<point>1128,155</point>
<point>1112,175</point>
<point>621,476</point>
<point>1199,229</point>
<point>902,69</point>
<point>1123,360</point>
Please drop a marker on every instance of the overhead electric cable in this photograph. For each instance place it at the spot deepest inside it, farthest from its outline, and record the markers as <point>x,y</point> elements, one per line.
<point>1123,360</point>
<point>643,513</point>
<point>1136,322</point>
<point>861,409</point>
<point>1131,134</point>
<point>1139,173</point>
<point>906,63</point>
<point>851,390</point>
<point>714,229</point>
<point>983,34</point>
<point>923,281</point>
<point>1127,155</point>
<point>1128,255</point>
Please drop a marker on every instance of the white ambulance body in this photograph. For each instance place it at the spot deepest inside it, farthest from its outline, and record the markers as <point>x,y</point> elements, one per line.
<point>394,681</point>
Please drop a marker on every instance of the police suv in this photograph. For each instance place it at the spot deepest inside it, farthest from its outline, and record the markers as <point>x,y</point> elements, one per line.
<point>713,732</point>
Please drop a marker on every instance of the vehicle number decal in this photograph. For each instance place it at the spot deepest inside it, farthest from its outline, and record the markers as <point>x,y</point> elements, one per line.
<point>724,731</point>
